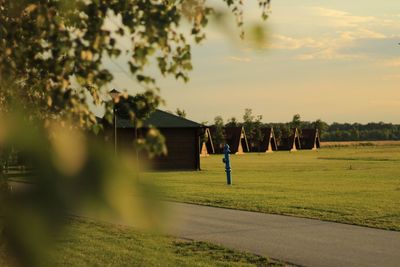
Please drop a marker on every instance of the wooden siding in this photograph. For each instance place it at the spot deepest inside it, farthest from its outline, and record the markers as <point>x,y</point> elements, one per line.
<point>182,145</point>
<point>183,150</point>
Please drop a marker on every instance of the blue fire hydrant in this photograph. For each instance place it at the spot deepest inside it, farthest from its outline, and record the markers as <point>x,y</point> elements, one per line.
<point>227,164</point>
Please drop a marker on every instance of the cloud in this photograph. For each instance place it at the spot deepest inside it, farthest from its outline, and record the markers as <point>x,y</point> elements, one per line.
<point>326,47</point>
<point>394,62</point>
<point>328,54</point>
<point>392,77</point>
<point>339,39</point>
<point>284,42</point>
<point>239,59</point>
<point>348,32</point>
<point>341,18</point>
<point>361,33</point>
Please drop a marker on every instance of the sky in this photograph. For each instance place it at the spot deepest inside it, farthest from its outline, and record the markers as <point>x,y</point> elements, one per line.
<point>335,60</point>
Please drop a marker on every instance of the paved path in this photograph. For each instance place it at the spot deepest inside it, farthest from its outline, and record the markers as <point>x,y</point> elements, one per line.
<point>300,241</point>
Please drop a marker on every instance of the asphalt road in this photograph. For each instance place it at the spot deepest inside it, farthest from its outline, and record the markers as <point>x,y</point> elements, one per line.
<point>299,241</point>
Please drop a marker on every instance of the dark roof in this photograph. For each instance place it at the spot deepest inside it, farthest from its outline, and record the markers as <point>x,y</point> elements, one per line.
<point>160,119</point>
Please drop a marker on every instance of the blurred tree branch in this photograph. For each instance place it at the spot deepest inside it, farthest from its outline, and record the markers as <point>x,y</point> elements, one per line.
<point>52,56</point>
<point>48,46</point>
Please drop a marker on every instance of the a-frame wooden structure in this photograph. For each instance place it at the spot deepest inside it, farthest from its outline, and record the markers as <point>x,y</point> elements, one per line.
<point>310,139</point>
<point>217,144</point>
<point>291,143</point>
<point>236,139</point>
<point>269,143</point>
<point>206,143</point>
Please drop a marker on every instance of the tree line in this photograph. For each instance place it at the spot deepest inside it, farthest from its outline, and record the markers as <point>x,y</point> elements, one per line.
<point>328,132</point>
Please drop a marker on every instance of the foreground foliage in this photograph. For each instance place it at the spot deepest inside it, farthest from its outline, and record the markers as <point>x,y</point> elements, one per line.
<point>53,57</point>
<point>356,185</point>
<point>53,53</point>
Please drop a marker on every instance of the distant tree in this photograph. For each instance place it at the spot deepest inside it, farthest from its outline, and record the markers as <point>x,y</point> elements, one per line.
<point>218,120</point>
<point>248,116</point>
<point>248,119</point>
<point>276,129</point>
<point>355,134</point>
<point>181,113</point>
<point>219,134</point>
<point>321,126</point>
<point>248,125</point>
<point>296,121</point>
<point>258,134</point>
<point>362,132</point>
<point>232,122</point>
<point>284,130</point>
<point>253,125</point>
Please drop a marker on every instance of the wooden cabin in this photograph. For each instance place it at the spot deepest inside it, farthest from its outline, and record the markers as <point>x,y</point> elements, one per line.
<point>310,139</point>
<point>236,139</point>
<point>182,138</point>
<point>290,143</point>
<point>206,143</point>
<point>269,143</point>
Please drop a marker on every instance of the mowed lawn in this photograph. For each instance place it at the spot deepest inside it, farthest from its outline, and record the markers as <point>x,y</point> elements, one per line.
<point>356,185</point>
<point>91,243</point>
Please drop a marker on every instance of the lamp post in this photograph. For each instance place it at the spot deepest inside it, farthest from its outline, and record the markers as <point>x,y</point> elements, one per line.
<point>114,95</point>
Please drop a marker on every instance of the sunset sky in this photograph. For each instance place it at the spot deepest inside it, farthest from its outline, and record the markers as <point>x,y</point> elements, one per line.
<point>334,60</point>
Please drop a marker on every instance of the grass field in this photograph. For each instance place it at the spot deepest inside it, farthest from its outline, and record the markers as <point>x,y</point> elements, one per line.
<point>91,243</point>
<point>356,185</point>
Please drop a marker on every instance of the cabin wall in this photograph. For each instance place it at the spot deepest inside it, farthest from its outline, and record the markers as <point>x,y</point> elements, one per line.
<point>183,145</point>
<point>183,150</point>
